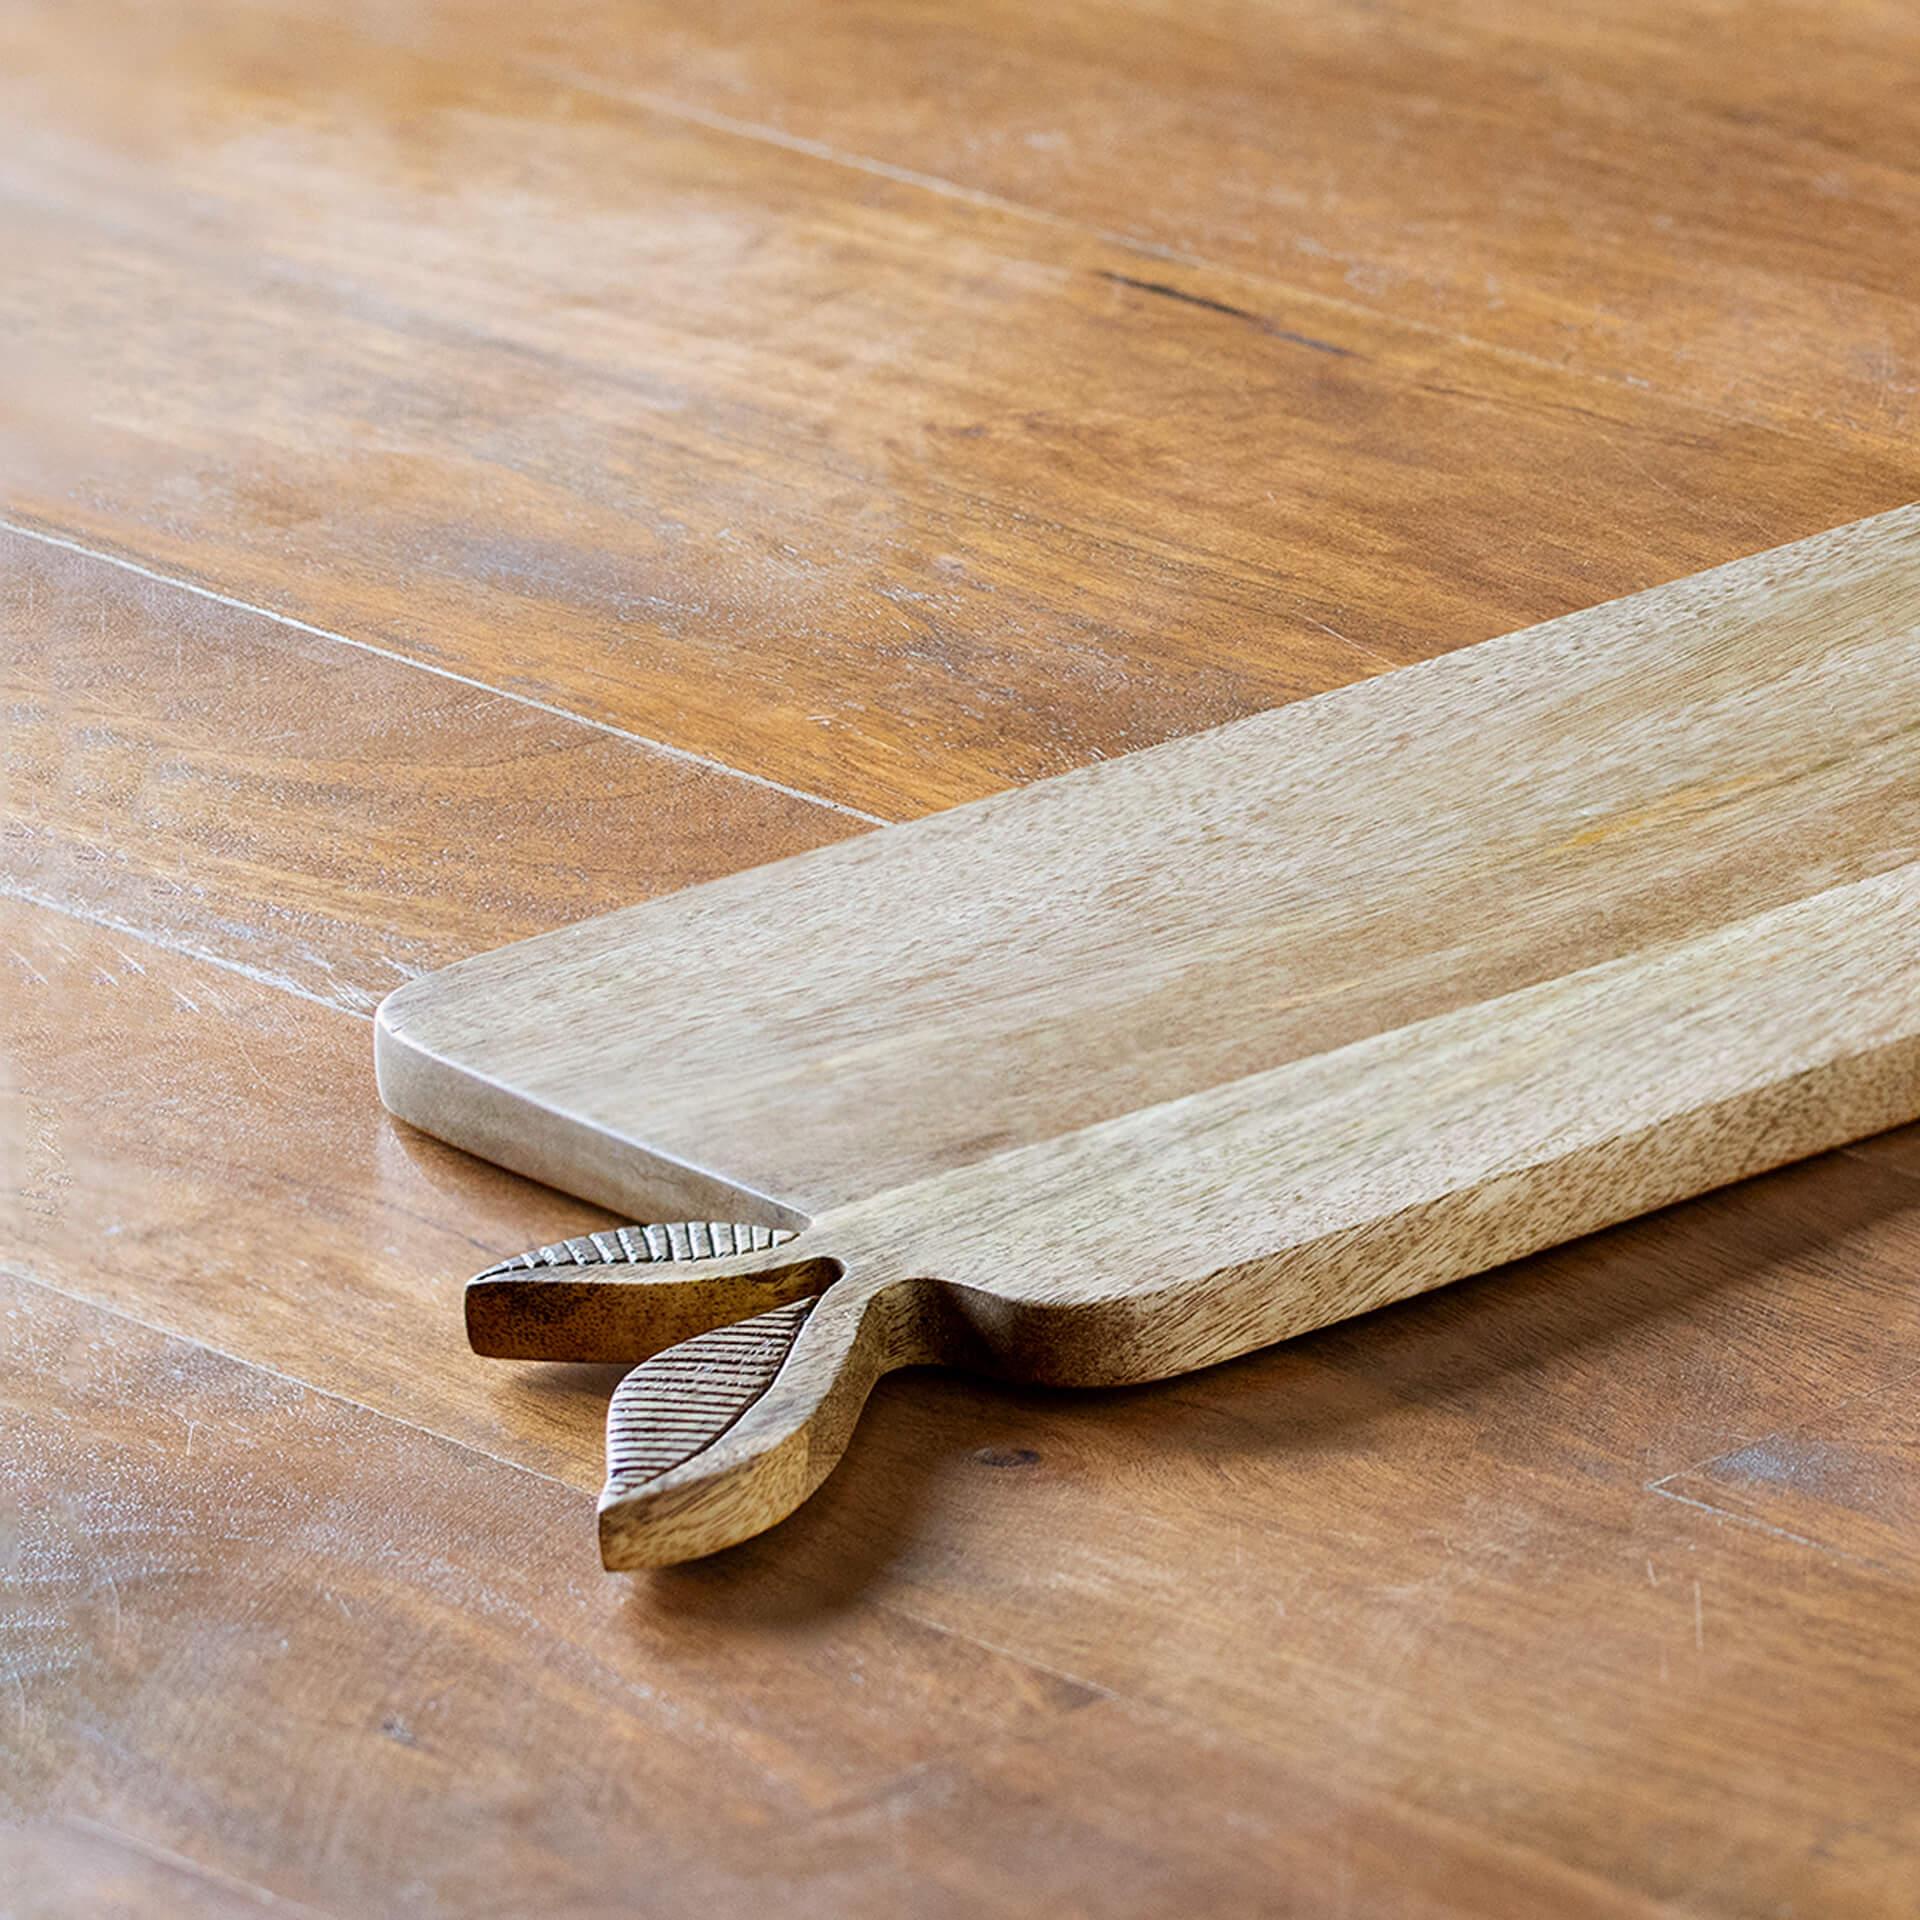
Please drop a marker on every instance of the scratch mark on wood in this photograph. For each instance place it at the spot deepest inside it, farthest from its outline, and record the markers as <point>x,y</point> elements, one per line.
<point>1162,290</point>
<point>260,976</point>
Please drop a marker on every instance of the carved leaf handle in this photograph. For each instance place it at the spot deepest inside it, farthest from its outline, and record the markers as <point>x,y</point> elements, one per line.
<point>763,1354</point>
<point>629,1291</point>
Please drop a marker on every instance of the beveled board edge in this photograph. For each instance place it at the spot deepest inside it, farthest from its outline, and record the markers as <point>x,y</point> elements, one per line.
<point>469,1111</point>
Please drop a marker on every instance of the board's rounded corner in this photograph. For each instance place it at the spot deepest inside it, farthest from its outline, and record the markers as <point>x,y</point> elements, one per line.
<point>398,1056</point>
<point>397,1004</point>
<point>421,1032</point>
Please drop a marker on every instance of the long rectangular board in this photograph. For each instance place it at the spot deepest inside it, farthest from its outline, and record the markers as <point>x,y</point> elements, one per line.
<point>1172,1056</point>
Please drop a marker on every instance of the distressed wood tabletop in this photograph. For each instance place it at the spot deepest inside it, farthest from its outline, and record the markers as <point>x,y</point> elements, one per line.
<point>465,468</point>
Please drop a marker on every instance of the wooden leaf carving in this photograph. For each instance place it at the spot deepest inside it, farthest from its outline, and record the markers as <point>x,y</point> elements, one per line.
<point>641,1245</point>
<point>671,1407</point>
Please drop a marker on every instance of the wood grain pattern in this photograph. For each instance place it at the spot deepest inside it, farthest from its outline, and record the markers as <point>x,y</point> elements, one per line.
<point>148,1574</point>
<point>309,814</point>
<point>73,1865</point>
<point>1843,1481</point>
<point>1188,1234</point>
<point>1710,202</point>
<point>964,498</point>
<point>414,1659</point>
<point>687,1269</point>
<point>1633,1031</point>
<point>902,1004</point>
<point>1416,1490</point>
<point>715,416</point>
<point>140,1175</point>
<point>675,1404</point>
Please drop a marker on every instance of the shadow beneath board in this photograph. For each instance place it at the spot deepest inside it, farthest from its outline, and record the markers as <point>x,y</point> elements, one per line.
<point>1556,1362</point>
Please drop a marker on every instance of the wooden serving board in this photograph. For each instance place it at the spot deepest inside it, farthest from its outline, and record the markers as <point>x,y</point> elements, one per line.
<point>1142,1067</point>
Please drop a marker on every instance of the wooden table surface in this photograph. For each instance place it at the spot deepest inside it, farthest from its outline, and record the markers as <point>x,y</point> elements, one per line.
<point>469,466</point>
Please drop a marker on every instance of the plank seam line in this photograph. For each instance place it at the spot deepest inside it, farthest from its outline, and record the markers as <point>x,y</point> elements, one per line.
<point>936,184</point>
<point>1142,540</point>
<point>1729,1518</point>
<point>185,1863</point>
<point>11,889</point>
<point>1738,1444</point>
<point>15,1271</point>
<point>1031,1662</point>
<point>663,747</point>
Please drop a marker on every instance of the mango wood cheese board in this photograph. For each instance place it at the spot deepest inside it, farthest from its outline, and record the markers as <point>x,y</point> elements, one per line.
<point>1157,1062</point>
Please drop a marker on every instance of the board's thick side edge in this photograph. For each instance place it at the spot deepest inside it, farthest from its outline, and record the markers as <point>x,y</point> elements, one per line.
<point>559,1149</point>
<point>1185,1234</point>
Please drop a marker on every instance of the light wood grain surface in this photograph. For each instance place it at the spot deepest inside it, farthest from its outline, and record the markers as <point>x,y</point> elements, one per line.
<point>1142,1068</point>
<point>864,1017</point>
<point>845,396</point>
